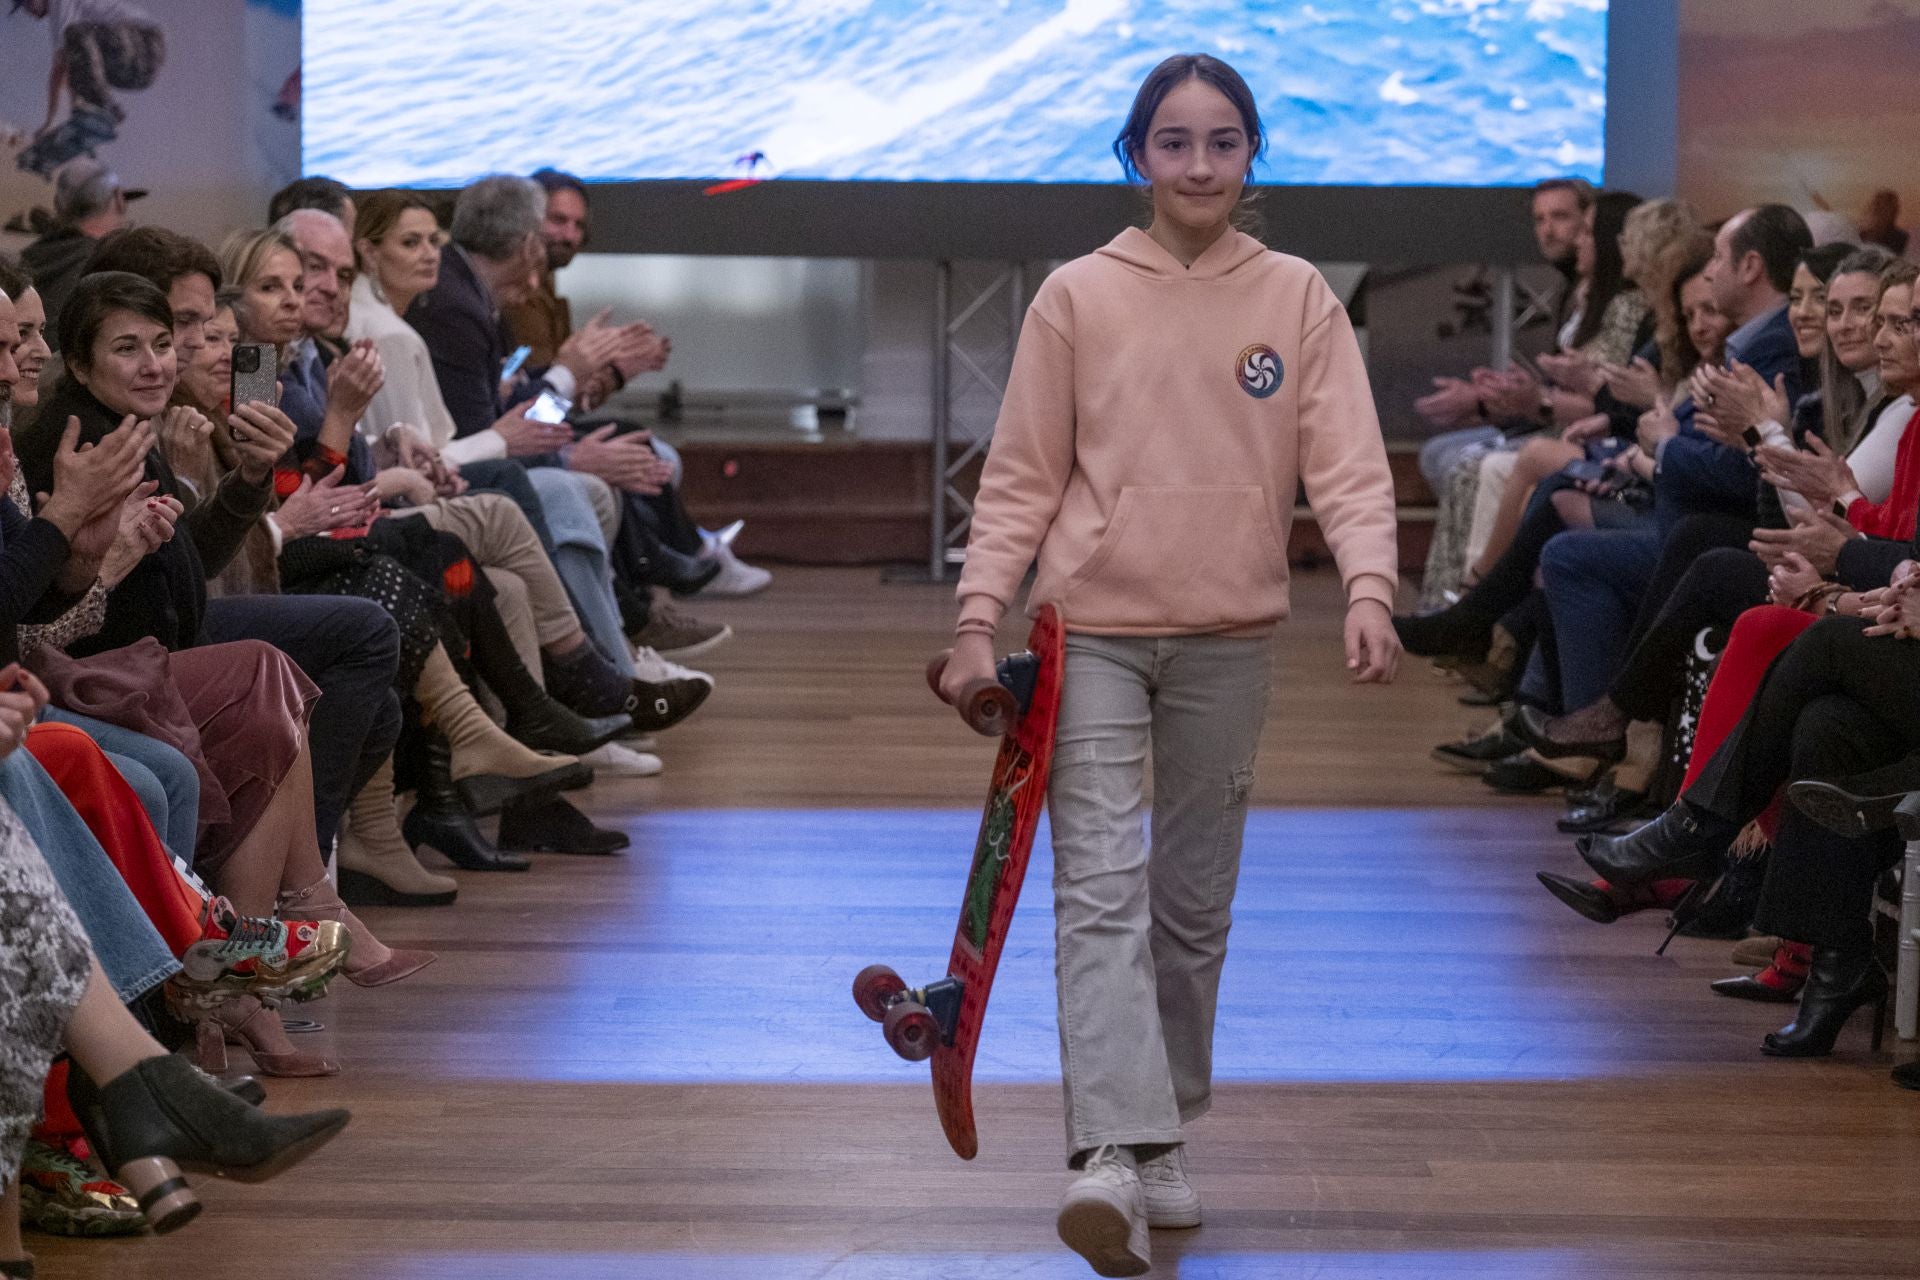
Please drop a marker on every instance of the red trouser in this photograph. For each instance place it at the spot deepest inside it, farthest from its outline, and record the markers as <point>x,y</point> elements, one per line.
<point>113,814</point>
<point>1759,636</point>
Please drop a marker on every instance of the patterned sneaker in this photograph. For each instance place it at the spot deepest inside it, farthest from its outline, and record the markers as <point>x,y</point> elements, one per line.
<point>64,1192</point>
<point>1171,1199</point>
<point>670,631</point>
<point>271,959</point>
<point>1103,1217</point>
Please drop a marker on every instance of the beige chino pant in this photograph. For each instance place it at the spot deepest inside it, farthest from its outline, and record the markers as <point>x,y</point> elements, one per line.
<point>1140,935</point>
<point>532,602</point>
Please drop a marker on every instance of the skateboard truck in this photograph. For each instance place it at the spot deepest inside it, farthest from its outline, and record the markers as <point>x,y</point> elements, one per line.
<point>991,707</point>
<point>913,1019</point>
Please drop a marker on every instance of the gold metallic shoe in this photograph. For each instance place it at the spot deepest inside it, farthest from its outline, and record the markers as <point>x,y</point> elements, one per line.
<point>244,955</point>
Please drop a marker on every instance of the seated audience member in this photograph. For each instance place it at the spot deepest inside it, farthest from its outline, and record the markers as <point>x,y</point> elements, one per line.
<point>89,204</point>
<point>1835,707</point>
<point>1719,585</point>
<point>247,701</point>
<point>543,321</point>
<point>1630,277</point>
<point>496,250</point>
<point>325,194</point>
<point>581,674</point>
<point>144,1107</point>
<point>1562,211</point>
<point>349,648</point>
<point>1595,579</point>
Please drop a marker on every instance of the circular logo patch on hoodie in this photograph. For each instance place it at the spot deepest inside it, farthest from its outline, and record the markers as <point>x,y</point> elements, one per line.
<point>1260,371</point>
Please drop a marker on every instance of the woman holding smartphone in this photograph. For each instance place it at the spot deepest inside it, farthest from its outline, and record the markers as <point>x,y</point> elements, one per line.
<point>1169,394</point>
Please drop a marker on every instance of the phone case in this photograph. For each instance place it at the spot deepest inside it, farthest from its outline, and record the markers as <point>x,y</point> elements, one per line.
<point>258,383</point>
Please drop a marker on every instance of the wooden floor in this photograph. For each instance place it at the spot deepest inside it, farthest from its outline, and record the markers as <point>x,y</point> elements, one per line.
<point>649,1066</point>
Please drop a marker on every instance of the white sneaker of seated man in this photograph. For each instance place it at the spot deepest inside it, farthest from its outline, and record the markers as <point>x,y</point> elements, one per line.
<point>617,760</point>
<point>1103,1216</point>
<point>736,577</point>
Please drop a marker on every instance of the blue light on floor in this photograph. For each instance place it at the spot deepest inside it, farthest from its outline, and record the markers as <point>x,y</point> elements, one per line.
<point>778,909</point>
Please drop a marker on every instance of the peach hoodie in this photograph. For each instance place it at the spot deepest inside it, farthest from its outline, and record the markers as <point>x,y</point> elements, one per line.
<point>1157,425</point>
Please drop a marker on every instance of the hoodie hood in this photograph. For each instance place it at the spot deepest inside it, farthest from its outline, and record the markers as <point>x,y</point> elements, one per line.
<point>1141,253</point>
<point>57,251</point>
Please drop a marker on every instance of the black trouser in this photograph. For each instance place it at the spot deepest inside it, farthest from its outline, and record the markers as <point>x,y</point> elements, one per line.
<point>1693,537</point>
<point>1837,702</point>
<point>351,649</point>
<point>1510,580</point>
<point>1714,591</point>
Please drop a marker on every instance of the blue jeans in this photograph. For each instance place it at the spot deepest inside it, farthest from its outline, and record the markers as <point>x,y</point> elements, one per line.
<point>580,558</point>
<point>131,950</point>
<point>166,781</point>
<point>1594,580</point>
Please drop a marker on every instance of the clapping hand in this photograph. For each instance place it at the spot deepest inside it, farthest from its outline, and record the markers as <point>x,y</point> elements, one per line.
<point>1573,372</point>
<point>1657,426</point>
<point>1819,475</point>
<point>21,698</point>
<point>1816,535</point>
<point>1453,402</point>
<point>1637,384</point>
<point>354,380</point>
<point>319,506</point>
<point>145,524</point>
<point>1591,427</point>
<point>1791,580</point>
<point>89,479</point>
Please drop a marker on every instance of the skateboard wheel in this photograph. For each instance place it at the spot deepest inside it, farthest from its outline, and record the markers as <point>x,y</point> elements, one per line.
<point>911,1030</point>
<point>874,988</point>
<point>989,708</point>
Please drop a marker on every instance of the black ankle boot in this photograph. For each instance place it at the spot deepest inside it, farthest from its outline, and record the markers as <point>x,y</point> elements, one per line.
<point>554,826</point>
<point>1684,843</point>
<point>1858,806</point>
<point>439,818</point>
<point>162,1116</point>
<point>1838,982</point>
<point>1452,632</point>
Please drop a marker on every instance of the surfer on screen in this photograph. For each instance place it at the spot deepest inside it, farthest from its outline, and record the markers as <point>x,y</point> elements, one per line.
<point>1170,393</point>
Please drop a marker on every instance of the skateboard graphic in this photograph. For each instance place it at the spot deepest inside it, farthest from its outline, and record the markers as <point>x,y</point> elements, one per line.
<point>81,133</point>
<point>942,1019</point>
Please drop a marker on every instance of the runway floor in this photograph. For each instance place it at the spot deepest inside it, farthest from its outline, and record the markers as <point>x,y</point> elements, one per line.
<point>648,1065</point>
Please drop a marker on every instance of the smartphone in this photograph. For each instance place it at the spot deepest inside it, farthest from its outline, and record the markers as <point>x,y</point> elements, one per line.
<point>514,361</point>
<point>256,370</point>
<point>549,408</point>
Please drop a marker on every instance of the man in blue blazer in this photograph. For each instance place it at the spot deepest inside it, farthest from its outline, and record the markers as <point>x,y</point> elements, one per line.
<point>1595,578</point>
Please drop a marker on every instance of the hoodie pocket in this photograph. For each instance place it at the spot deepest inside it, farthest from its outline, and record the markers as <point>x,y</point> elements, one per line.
<point>1183,556</point>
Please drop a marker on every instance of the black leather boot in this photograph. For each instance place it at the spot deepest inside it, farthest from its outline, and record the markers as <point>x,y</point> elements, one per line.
<point>554,826</point>
<point>439,818</point>
<point>1684,843</point>
<point>1452,632</point>
<point>1860,805</point>
<point>162,1116</point>
<point>534,718</point>
<point>1838,982</point>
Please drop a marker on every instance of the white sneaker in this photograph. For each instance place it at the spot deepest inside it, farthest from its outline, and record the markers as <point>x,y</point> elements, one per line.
<point>736,577</point>
<point>648,665</point>
<point>1171,1199</point>
<point>616,760</point>
<point>1103,1215</point>
<point>642,742</point>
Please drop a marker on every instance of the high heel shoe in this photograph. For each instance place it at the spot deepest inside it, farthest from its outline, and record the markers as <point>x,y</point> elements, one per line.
<point>254,1026</point>
<point>320,900</point>
<point>1602,903</point>
<point>1838,982</point>
<point>161,1116</point>
<point>1684,843</point>
<point>440,820</point>
<point>1530,725</point>
<point>1779,982</point>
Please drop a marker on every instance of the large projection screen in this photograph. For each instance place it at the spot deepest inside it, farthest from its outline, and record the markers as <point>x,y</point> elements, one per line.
<point>953,128</point>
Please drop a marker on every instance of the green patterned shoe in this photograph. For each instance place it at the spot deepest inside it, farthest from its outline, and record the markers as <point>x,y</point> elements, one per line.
<point>65,1194</point>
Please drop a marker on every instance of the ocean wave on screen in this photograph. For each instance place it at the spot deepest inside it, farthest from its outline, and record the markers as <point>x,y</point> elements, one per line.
<point>1478,92</point>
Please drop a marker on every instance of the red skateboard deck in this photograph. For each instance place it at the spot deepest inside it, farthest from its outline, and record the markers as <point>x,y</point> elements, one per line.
<point>943,1019</point>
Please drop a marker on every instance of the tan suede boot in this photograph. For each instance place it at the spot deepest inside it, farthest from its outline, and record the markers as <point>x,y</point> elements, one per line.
<point>490,769</point>
<point>376,867</point>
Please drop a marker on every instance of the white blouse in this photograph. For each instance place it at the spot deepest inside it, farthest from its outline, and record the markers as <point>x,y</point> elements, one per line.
<point>411,393</point>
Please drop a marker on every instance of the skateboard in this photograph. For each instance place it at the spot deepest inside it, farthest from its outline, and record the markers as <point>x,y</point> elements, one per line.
<point>81,133</point>
<point>942,1019</point>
